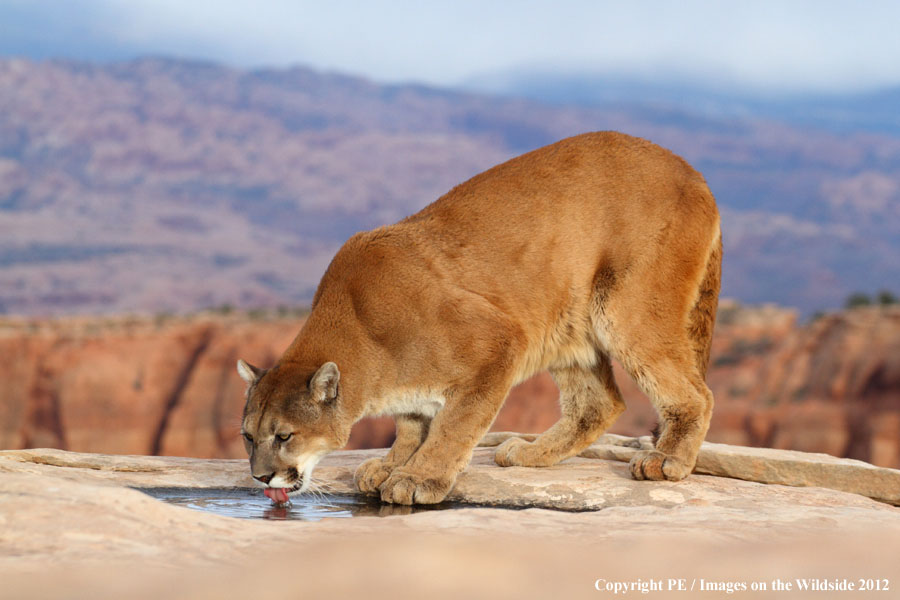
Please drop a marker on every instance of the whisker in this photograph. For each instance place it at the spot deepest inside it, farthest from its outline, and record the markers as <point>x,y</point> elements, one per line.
<point>318,488</point>
<point>315,488</point>
<point>324,485</point>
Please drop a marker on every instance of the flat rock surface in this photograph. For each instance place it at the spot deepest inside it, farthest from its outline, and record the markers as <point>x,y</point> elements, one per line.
<point>762,465</point>
<point>64,512</point>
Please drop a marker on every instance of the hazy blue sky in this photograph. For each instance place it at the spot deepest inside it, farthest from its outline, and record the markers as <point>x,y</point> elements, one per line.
<point>760,43</point>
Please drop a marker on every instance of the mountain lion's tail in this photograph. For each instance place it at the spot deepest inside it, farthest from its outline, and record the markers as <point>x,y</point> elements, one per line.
<point>703,315</point>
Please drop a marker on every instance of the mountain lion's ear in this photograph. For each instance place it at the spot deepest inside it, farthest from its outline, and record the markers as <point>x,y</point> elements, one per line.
<point>248,372</point>
<point>324,384</point>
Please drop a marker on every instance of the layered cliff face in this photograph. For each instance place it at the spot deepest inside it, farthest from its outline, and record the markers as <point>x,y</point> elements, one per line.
<point>168,385</point>
<point>832,386</point>
<point>131,386</point>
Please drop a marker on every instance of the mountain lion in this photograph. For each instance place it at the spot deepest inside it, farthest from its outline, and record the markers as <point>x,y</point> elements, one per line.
<point>599,246</point>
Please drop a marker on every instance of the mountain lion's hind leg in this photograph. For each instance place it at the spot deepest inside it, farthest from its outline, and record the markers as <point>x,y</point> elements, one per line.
<point>673,374</point>
<point>590,403</point>
<point>411,432</point>
<point>684,405</point>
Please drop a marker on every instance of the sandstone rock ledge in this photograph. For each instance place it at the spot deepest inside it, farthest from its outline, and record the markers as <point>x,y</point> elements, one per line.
<point>73,519</point>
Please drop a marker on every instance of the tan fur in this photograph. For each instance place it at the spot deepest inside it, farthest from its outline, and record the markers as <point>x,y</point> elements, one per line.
<point>599,246</point>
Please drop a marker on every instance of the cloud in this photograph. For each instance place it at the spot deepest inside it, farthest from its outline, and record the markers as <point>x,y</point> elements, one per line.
<point>767,43</point>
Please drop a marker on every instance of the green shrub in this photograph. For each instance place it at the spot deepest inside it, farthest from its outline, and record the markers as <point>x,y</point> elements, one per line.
<point>857,299</point>
<point>885,297</point>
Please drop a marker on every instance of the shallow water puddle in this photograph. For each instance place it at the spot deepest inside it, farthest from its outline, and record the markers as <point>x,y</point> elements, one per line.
<point>246,503</point>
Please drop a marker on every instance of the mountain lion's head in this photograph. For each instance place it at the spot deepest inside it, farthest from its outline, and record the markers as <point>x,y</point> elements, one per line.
<point>291,420</point>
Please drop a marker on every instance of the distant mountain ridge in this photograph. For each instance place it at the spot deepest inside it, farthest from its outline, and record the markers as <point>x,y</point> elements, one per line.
<point>166,185</point>
<point>873,111</point>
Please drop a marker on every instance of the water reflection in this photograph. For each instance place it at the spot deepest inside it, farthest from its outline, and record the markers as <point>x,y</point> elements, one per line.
<point>252,504</point>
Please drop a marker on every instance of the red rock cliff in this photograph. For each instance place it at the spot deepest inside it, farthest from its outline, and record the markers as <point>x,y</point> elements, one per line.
<point>168,385</point>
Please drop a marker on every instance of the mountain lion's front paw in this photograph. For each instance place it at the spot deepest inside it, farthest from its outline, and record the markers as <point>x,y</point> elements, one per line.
<point>657,466</point>
<point>407,487</point>
<point>371,474</point>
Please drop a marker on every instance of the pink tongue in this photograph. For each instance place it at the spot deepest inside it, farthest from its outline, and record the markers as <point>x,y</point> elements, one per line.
<point>277,495</point>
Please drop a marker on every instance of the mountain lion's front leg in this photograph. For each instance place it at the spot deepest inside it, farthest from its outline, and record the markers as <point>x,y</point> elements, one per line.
<point>411,432</point>
<point>431,472</point>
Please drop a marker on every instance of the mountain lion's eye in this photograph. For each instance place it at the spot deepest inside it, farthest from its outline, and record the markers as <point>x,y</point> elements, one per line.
<point>248,437</point>
<point>283,437</point>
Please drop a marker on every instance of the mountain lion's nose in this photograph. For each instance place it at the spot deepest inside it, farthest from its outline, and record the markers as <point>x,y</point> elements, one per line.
<point>264,478</point>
